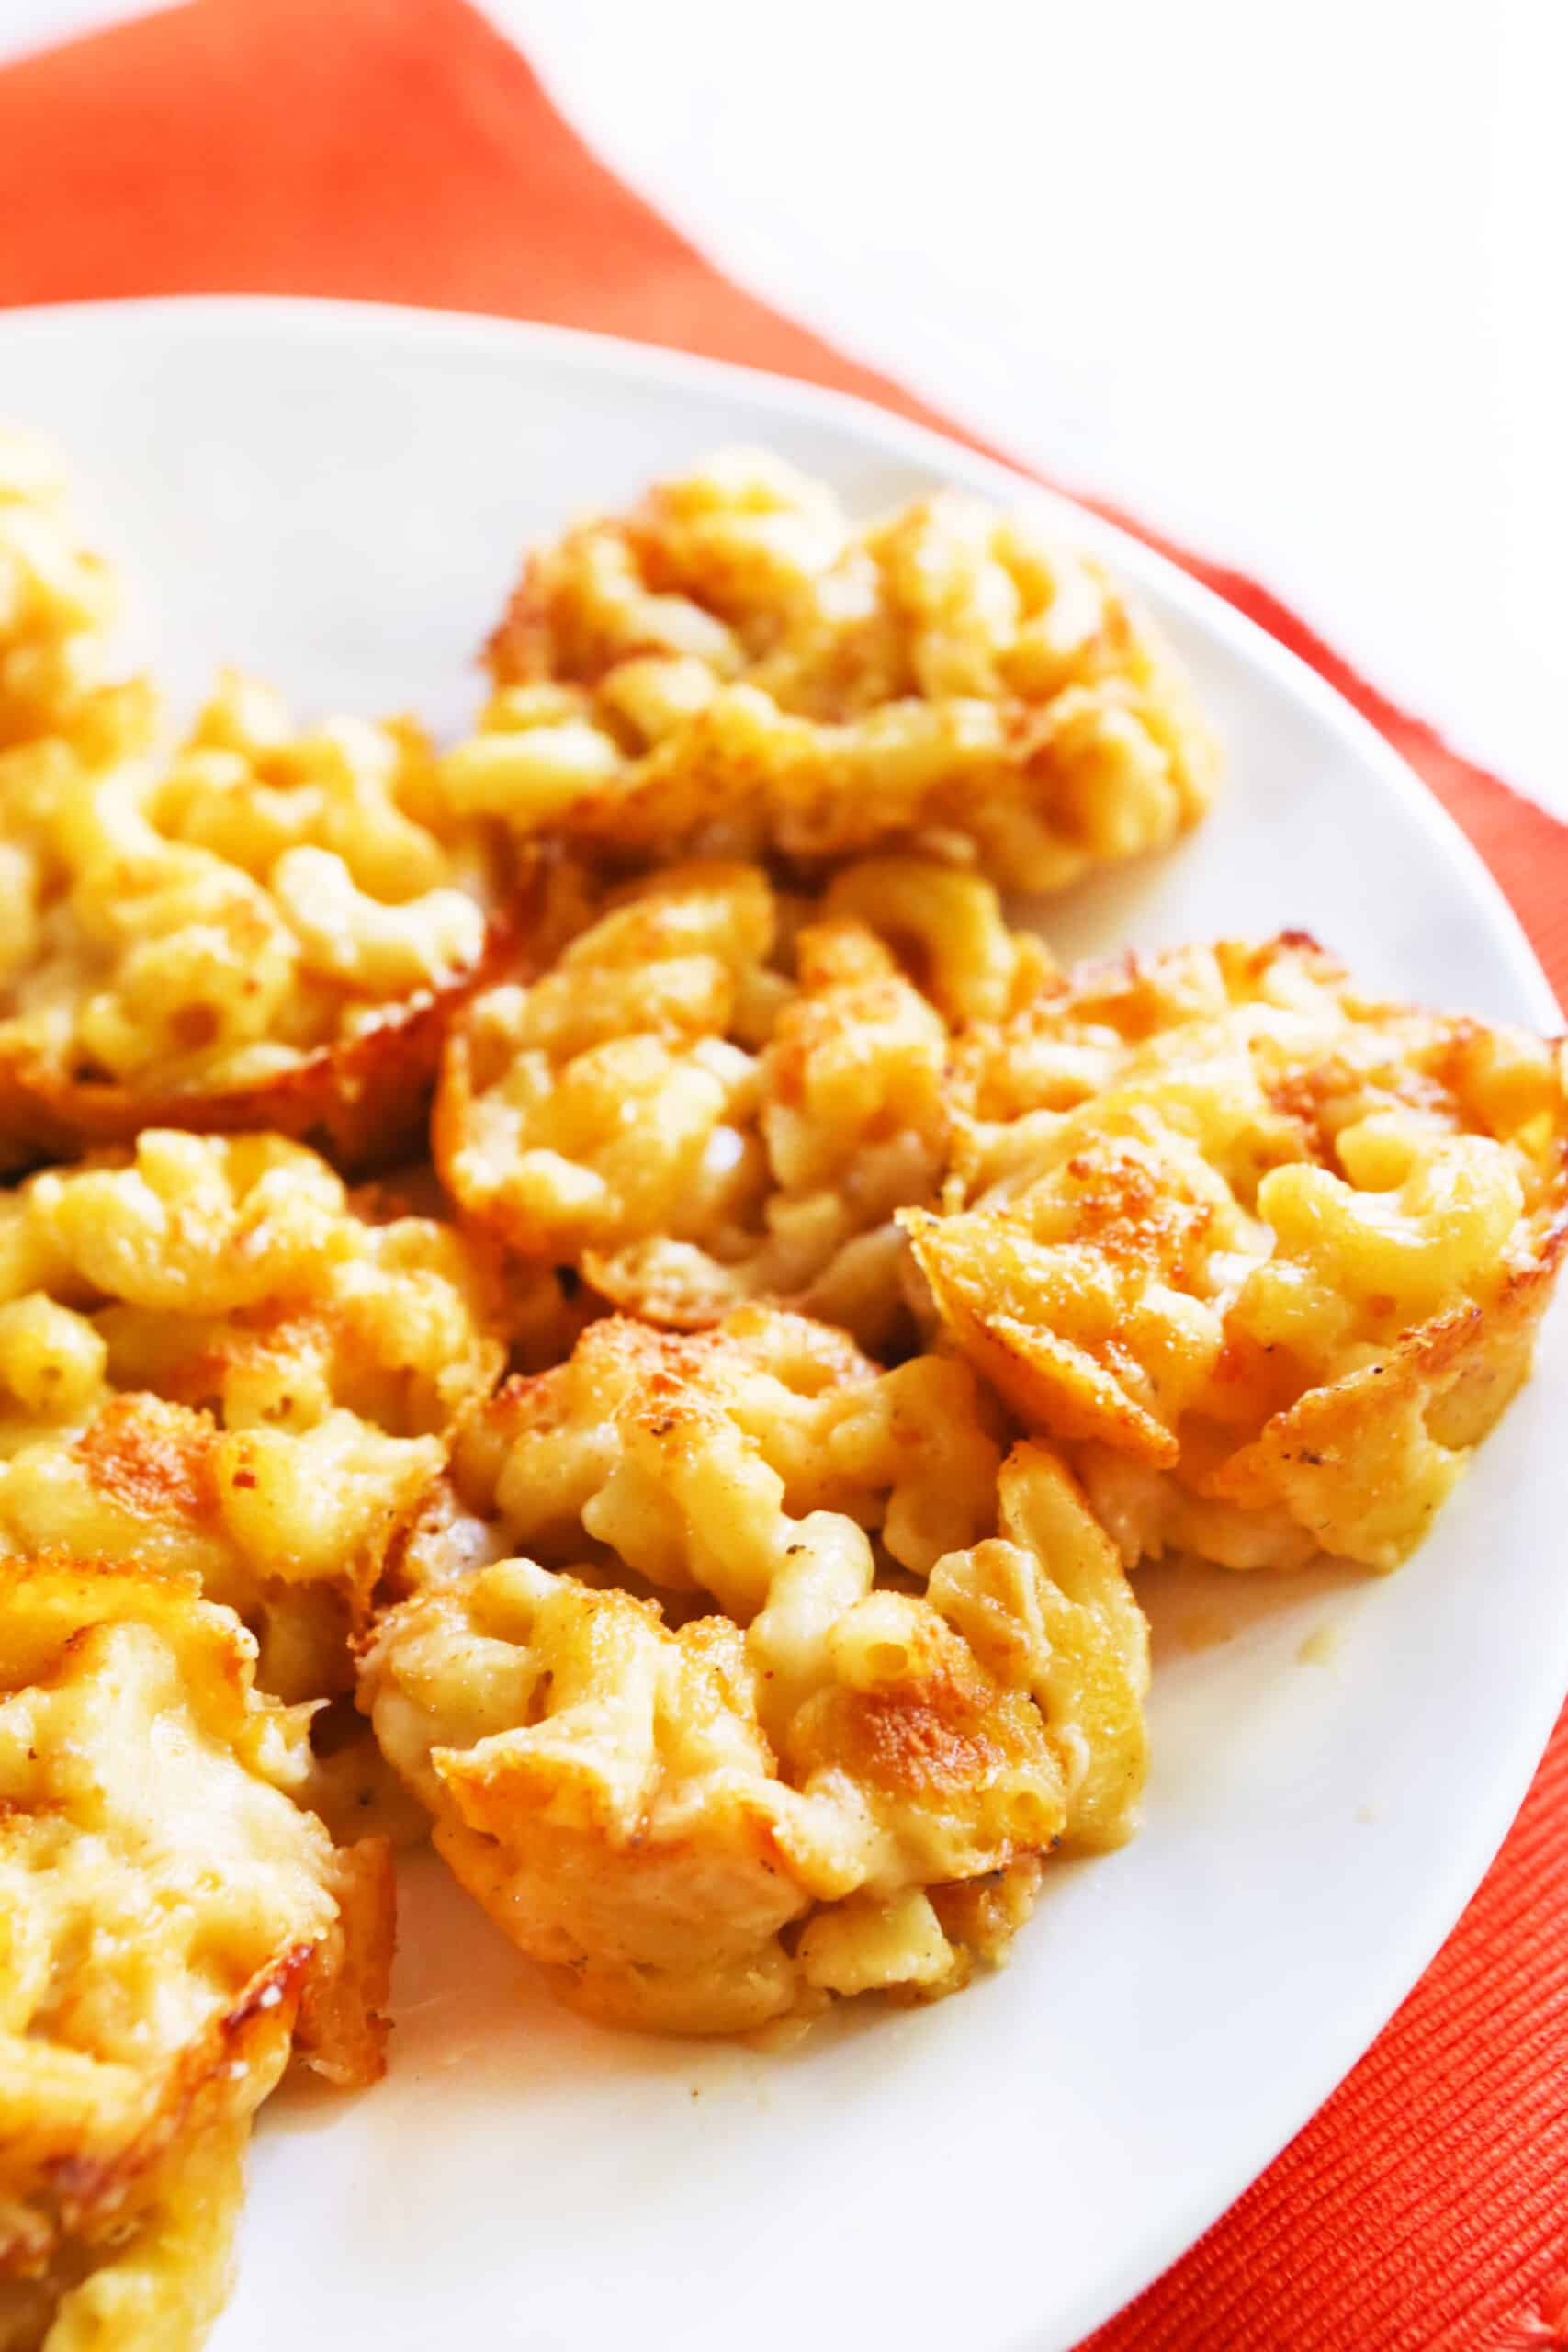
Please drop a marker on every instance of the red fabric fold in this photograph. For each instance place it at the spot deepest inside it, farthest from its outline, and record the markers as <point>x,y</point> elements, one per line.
<point>400,150</point>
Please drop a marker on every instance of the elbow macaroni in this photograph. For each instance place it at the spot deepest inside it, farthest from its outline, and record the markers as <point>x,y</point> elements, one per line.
<point>214,1359</point>
<point>1266,1253</point>
<point>717,1093</point>
<point>706,1822</point>
<point>734,668</point>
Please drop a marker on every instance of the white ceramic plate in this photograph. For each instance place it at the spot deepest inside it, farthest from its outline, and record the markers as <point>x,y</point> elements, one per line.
<point>336,495</point>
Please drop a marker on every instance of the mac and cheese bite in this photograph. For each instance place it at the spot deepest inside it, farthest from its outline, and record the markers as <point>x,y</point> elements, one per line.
<point>266,928</point>
<point>173,1927</point>
<point>736,668</point>
<point>802,1678</point>
<point>216,1359</point>
<point>720,1092</point>
<point>1264,1252</point>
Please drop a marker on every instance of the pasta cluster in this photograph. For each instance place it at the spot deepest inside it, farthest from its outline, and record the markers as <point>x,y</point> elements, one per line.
<point>1266,1254</point>
<point>213,1359</point>
<point>721,1092</point>
<point>173,1925</point>
<point>264,928</point>
<point>734,667</point>
<point>927,1672</point>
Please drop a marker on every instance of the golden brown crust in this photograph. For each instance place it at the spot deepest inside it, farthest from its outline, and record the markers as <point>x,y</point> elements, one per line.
<point>341,2028</point>
<point>150,1459</point>
<point>1266,1252</point>
<point>362,1105</point>
<point>924,1740</point>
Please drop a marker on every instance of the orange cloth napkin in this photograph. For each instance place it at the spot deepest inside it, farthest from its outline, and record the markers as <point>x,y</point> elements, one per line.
<point>400,150</point>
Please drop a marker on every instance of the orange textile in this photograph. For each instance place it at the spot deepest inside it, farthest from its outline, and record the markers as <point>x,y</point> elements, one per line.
<point>401,151</point>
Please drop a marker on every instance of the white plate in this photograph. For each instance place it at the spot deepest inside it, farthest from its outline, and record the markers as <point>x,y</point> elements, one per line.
<point>337,495</point>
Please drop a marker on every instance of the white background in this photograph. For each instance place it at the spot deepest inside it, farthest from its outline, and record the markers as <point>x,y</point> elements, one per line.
<point>1291,280</point>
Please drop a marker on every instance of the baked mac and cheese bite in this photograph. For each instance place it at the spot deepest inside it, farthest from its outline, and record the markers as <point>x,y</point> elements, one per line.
<point>1265,1252</point>
<point>720,1092</point>
<point>801,1678</point>
<point>268,928</point>
<point>215,1360</point>
<point>172,1926</point>
<point>735,667</point>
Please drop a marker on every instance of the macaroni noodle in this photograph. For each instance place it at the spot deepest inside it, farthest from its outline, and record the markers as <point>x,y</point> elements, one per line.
<point>734,667</point>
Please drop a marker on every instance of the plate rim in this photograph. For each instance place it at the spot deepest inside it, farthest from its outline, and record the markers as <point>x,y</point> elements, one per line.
<point>1447,1892</point>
